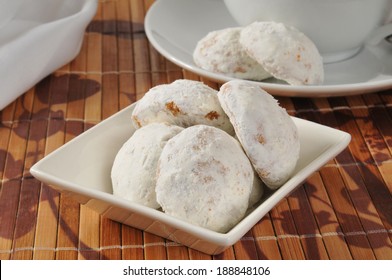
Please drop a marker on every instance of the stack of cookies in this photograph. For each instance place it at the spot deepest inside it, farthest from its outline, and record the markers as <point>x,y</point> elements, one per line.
<point>259,51</point>
<point>205,156</point>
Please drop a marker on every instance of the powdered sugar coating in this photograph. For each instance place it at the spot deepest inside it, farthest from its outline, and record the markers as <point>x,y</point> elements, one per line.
<point>257,190</point>
<point>220,52</point>
<point>205,178</point>
<point>284,52</point>
<point>134,168</point>
<point>266,131</point>
<point>183,103</point>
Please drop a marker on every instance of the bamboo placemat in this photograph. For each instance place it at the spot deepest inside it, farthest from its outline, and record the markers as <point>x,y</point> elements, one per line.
<point>343,211</point>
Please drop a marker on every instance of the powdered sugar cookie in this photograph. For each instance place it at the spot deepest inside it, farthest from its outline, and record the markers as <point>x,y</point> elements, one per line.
<point>284,52</point>
<point>134,169</point>
<point>257,191</point>
<point>220,52</point>
<point>183,103</point>
<point>205,178</point>
<point>266,131</point>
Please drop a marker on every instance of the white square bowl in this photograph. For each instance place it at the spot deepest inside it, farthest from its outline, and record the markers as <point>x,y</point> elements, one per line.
<point>82,168</point>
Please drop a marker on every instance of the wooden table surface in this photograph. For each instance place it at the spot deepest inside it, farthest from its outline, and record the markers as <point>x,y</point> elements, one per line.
<point>343,211</point>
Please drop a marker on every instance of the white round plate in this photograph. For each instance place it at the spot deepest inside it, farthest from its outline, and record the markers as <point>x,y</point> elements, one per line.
<point>175,26</point>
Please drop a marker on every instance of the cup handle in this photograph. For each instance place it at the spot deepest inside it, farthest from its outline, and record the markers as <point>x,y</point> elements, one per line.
<point>379,34</point>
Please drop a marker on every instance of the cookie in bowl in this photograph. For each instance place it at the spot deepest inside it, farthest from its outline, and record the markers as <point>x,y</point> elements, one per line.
<point>183,103</point>
<point>265,130</point>
<point>204,178</point>
<point>134,167</point>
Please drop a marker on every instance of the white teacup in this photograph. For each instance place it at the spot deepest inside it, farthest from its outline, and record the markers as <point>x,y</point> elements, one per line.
<point>339,28</point>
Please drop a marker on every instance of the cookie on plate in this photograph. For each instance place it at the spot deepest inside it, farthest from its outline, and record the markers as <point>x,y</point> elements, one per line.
<point>134,168</point>
<point>265,130</point>
<point>220,52</point>
<point>284,52</point>
<point>183,103</point>
<point>205,178</point>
